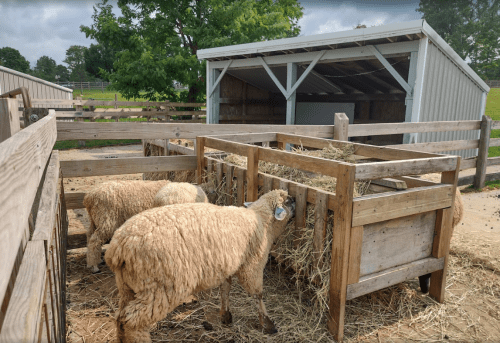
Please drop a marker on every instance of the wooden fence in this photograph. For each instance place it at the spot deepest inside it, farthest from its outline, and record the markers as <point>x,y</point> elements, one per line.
<point>33,230</point>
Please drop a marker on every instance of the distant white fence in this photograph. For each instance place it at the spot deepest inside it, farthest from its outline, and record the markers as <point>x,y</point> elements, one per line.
<point>493,83</point>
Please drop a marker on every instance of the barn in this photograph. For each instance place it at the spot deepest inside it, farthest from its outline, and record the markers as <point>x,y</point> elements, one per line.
<point>38,88</point>
<point>401,72</point>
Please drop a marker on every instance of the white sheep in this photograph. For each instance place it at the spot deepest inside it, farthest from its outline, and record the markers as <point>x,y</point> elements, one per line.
<point>110,204</point>
<point>165,254</point>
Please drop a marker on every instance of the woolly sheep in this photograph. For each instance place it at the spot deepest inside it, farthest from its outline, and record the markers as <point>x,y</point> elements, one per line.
<point>458,214</point>
<point>110,204</point>
<point>165,254</point>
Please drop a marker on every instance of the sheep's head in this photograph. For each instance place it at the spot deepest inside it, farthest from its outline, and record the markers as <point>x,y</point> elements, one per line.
<point>278,204</point>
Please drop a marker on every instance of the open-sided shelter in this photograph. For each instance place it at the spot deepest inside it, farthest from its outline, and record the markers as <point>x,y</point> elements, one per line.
<point>401,72</point>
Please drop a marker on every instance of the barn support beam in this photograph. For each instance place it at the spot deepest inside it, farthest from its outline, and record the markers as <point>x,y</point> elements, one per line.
<point>391,69</point>
<point>213,90</point>
<point>220,77</point>
<point>291,79</point>
<point>410,138</point>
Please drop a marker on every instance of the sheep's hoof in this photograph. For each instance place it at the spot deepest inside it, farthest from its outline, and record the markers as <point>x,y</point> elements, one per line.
<point>226,317</point>
<point>270,331</point>
<point>425,282</point>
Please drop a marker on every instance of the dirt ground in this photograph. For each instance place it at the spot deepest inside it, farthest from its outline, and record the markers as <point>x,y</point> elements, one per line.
<point>401,313</point>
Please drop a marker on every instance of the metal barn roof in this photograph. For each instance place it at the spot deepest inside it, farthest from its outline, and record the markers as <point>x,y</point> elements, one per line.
<point>379,35</point>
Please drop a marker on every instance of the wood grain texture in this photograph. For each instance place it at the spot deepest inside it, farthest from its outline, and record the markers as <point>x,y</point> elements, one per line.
<point>22,320</point>
<point>380,207</point>
<point>340,250</point>
<point>229,171</point>
<point>398,128</point>
<point>252,173</point>
<point>249,138</point>
<point>439,146</point>
<point>23,158</point>
<point>127,130</point>
<point>132,165</point>
<point>227,146</point>
<point>200,159</point>
<point>494,142</point>
<point>46,217</point>
<point>355,250</point>
<point>320,219</point>
<point>341,128</point>
<point>9,118</point>
<point>240,186</point>
<point>268,184</point>
<point>391,183</point>
<point>300,210</point>
<point>378,170</point>
<point>374,282</point>
<point>412,182</point>
<point>396,242</point>
<point>74,200</point>
<point>482,156</point>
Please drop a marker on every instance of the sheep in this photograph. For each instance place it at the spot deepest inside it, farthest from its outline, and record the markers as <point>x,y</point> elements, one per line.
<point>458,214</point>
<point>110,204</point>
<point>165,254</point>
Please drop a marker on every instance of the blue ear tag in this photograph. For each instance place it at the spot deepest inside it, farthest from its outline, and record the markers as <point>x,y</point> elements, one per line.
<point>280,213</point>
<point>246,204</point>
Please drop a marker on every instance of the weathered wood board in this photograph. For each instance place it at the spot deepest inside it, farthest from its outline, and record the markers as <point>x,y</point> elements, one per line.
<point>396,242</point>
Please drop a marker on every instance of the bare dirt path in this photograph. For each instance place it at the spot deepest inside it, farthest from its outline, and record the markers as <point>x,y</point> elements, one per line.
<point>398,314</point>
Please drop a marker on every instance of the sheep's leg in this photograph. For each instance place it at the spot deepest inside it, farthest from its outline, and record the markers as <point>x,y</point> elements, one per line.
<point>225,314</point>
<point>425,282</point>
<point>137,316</point>
<point>94,250</point>
<point>252,280</point>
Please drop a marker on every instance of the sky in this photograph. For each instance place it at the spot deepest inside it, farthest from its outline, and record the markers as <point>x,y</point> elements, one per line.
<point>49,27</point>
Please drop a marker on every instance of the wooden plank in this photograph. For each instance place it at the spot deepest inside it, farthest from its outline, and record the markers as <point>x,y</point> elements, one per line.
<point>495,125</point>
<point>240,179</point>
<point>396,242</point>
<point>22,320</point>
<point>46,216</point>
<point>493,161</point>
<point>300,211</point>
<point>268,184</point>
<point>313,164</point>
<point>378,170</point>
<point>494,142</point>
<point>132,165</point>
<point>439,146</point>
<point>229,171</point>
<point>9,119</point>
<point>23,158</point>
<point>200,159</point>
<point>249,138</point>
<point>227,146</point>
<point>252,173</point>
<point>482,156</point>
<point>79,102</point>
<point>398,128</point>
<point>391,183</point>
<point>393,276</point>
<point>412,182</point>
<point>219,174</point>
<point>380,207</point>
<point>128,130</point>
<point>74,200</point>
<point>320,220</point>
<point>114,113</point>
<point>355,254</point>
<point>341,128</point>
<point>340,250</point>
<point>383,153</point>
<point>469,163</point>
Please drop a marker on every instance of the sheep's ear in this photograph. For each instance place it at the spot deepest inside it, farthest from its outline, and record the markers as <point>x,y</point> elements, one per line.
<point>246,204</point>
<point>280,213</point>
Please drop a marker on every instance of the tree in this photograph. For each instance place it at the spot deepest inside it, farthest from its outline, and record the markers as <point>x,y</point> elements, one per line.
<point>62,73</point>
<point>157,40</point>
<point>97,57</point>
<point>12,58</point>
<point>75,59</point>
<point>471,28</point>
<point>46,68</point>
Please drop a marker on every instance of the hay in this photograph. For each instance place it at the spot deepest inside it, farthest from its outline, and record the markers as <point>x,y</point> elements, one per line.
<point>300,257</point>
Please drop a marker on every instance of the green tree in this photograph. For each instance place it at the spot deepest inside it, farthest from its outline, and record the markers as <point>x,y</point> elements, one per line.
<point>75,59</point>
<point>471,28</point>
<point>97,57</point>
<point>62,73</point>
<point>12,58</point>
<point>46,69</point>
<point>157,40</point>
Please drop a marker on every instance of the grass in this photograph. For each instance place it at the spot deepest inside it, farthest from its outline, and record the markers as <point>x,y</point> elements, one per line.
<point>493,110</point>
<point>64,145</point>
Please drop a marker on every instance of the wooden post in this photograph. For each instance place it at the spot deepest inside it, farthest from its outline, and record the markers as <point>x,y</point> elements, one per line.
<point>229,184</point>
<point>102,87</point>
<point>341,127</point>
<point>79,108</point>
<point>482,156</point>
<point>340,249</point>
<point>442,236</point>
<point>320,219</point>
<point>9,118</point>
<point>200,158</point>
<point>252,173</point>
<point>300,212</point>
<point>240,178</point>
<point>116,99</point>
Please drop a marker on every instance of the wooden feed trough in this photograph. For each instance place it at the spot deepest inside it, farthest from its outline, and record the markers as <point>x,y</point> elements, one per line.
<point>378,240</point>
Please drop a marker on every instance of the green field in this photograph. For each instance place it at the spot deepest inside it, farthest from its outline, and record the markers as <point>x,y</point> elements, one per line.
<point>493,110</point>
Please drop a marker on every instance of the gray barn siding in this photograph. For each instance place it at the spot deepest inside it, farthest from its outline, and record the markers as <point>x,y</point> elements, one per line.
<point>448,94</point>
<point>38,89</point>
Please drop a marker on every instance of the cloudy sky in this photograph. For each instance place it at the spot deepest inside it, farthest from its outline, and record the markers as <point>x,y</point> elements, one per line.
<point>50,27</point>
